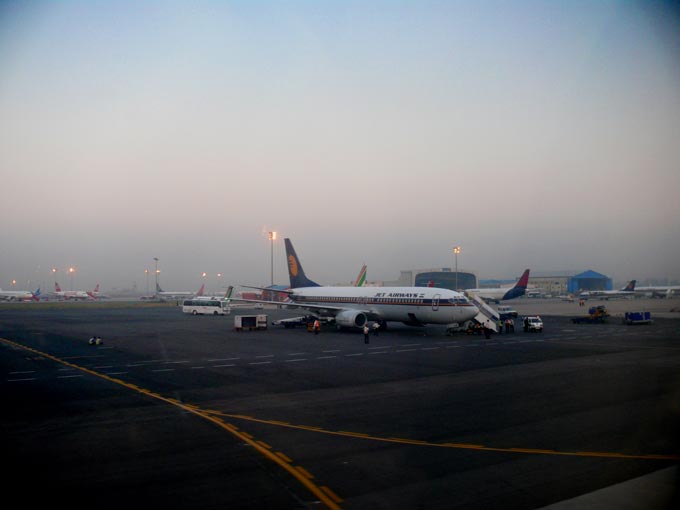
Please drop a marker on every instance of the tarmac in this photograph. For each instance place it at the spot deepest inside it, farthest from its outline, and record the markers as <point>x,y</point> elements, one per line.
<point>177,411</point>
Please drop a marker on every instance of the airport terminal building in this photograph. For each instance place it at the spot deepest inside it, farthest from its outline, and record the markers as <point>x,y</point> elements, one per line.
<point>569,282</point>
<point>443,278</point>
<point>553,283</point>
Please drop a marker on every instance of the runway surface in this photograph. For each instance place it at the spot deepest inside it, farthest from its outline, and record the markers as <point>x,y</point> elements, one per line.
<point>178,411</point>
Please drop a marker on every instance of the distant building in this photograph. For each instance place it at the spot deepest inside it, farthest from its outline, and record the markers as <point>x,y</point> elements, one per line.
<point>589,280</point>
<point>443,278</point>
<point>568,282</point>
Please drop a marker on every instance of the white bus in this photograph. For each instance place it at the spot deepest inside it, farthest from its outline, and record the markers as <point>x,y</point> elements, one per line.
<point>205,306</point>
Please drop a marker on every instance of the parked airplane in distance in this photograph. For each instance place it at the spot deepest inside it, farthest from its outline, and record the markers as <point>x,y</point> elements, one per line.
<point>355,306</point>
<point>178,293</point>
<point>361,278</point>
<point>19,295</point>
<point>627,291</point>
<point>666,291</point>
<point>503,293</point>
<point>98,295</point>
<point>74,295</point>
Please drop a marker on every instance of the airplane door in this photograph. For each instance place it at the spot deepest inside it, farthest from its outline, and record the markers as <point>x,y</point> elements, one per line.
<point>435,302</point>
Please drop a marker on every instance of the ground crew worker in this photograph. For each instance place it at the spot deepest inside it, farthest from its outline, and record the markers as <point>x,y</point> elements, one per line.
<point>317,326</point>
<point>376,328</point>
<point>487,330</point>
<point>366,339</point>
<point>500,327</point>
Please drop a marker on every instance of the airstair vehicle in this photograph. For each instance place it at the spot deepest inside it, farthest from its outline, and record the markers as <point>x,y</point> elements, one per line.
<point>486,313</point>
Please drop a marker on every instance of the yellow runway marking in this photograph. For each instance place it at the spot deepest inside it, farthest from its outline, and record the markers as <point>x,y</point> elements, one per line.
<point>459,446</point>
<point>278,458</point>
<point>465,446</point>
<point>322,492</point>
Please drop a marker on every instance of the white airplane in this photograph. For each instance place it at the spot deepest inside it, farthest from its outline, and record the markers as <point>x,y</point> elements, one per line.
<point>96,294</point>
<point>503,293</point>
<point>627,291</point>
<point>666,291</point>
<point>178,293</point>
<point>75,295</point>
<point>19,295</point>
<point>355,306</point>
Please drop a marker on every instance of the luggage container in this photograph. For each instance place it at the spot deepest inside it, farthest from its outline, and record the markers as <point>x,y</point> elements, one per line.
<point>250,322</point>
<point>631,318</point>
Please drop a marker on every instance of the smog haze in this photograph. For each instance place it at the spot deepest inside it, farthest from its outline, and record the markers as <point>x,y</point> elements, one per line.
<point>538,135</point>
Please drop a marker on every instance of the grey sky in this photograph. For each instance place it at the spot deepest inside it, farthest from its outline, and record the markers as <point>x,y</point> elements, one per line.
<point>532,134</point>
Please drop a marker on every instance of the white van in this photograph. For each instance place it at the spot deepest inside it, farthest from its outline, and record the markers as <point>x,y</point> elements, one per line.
<point>507,312</point>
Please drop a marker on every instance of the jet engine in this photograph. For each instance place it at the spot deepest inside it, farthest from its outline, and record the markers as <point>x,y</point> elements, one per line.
<point>351,319</point>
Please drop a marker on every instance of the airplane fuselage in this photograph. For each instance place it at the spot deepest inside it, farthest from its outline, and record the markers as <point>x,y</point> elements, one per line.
<point>15,295</point>
<point>73,294</point>
<point>411,305</point>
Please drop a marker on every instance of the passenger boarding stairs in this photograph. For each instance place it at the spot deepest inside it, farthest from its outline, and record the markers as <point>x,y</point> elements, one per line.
<point>486,313</point>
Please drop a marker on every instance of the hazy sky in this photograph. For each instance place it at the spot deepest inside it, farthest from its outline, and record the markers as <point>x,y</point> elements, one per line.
<point>539,134</point>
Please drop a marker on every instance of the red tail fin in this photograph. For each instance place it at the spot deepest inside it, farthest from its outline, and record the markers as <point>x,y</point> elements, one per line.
<point>57,288</point>
<point>524,280</point>
<point>201,290</point>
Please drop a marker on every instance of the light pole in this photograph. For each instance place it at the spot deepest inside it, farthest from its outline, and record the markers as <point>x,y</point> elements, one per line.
<point>456,251</point>
<point>156,260</point>
<point>146,277</point>
<point>71,270</point>
<point>272,237</point>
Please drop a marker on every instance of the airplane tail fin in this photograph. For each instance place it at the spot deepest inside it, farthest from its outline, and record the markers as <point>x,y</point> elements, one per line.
<point>361,279</point>
<point>295,271</point>
<point>523,281</point>
<point>96,289</point>
<point>630,287</point>
<point>520,287</point>
<point>35,296</point>
<point>229,292</point>
<point>201,290</point>
<point>57,288</point>
<point>158,288</point>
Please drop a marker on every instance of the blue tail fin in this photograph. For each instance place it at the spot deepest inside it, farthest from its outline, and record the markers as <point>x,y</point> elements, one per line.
<point>295,271</point>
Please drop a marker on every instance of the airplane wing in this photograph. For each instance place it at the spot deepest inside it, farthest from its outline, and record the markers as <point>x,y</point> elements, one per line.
<point>321,309</point>
<point>289,304</point>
